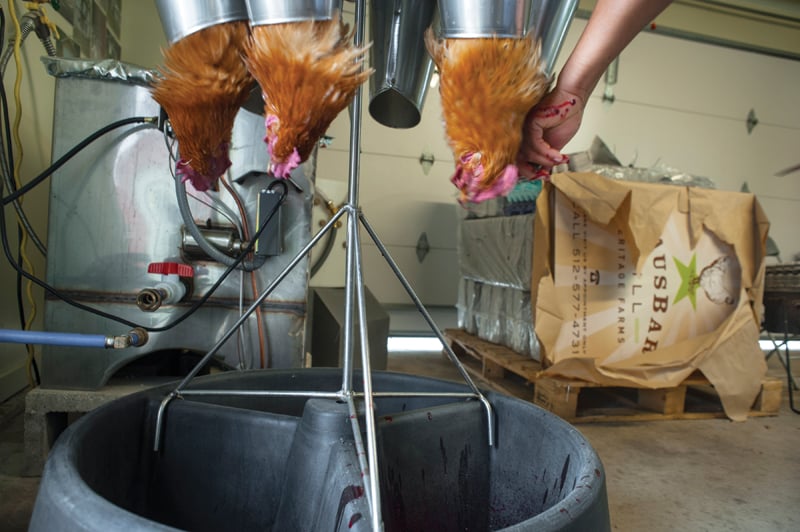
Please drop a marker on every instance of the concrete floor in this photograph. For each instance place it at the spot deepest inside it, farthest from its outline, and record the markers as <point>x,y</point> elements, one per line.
<point>17,492</point>
<point>700,475</point>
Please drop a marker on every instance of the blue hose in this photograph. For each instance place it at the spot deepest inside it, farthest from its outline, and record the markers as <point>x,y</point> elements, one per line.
<point>52,338</point>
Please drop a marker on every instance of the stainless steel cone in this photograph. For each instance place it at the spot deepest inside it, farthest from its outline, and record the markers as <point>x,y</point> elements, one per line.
<point>464,19</point>
<point>402,65</point>
<point>180,18</point>
<point>282,11</point>
<point>548,20</point>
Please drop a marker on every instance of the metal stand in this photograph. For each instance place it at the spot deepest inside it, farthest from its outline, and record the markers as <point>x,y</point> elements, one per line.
<point>779,346</point>
<point>354,302</point>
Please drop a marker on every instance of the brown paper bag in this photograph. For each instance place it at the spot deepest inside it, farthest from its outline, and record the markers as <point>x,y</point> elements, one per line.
<point>641,284</point>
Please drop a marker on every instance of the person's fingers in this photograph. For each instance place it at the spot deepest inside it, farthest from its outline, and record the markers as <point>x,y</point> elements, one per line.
<point>542,156</point>
<point>531,170</point>
<point>547,129</point>
<point>536,150</point>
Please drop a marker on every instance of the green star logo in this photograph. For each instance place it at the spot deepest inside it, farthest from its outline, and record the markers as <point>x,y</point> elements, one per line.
<point>689,280</point>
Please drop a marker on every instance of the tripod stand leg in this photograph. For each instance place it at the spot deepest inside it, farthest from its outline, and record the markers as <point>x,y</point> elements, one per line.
<point>426,315</point>
<point>356,277</point>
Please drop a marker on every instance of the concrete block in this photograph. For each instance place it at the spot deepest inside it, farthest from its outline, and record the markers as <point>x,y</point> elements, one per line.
<point>49,411</point>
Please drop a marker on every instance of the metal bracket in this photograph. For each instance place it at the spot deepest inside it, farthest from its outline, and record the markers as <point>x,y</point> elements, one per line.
<point>423,247</point>
<point>752,121</point>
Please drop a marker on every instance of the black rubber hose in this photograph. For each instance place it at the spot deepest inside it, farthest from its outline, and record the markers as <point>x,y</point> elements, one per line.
<point>74,151</point>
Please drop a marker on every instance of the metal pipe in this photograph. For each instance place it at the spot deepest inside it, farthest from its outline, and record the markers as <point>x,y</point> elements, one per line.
<point>160,419</point>
<point>352,200</point>
<point>363,463</point>
<point>262,393</point>
<point>347,333</point>
<point>355,124</point>
<point>321,395</point>
<point>366,375</point>
<point>354,287</point>
<point>464,395</point>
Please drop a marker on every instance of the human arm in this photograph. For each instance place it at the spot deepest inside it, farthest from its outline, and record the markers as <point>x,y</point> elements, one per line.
<point>555,120</point>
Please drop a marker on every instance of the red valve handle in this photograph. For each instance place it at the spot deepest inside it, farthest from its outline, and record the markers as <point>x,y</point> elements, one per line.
<point>167,268</point>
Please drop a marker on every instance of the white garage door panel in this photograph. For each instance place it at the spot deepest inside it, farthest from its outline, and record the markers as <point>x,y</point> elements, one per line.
<point>427,136</point>
<point>435,279</point>
<point>719,81</point>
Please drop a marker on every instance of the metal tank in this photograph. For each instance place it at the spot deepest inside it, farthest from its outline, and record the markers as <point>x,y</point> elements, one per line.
<point>113,212</point>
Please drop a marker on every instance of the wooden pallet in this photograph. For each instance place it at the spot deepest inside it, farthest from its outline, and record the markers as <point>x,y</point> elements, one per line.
<point>499,368</point>
<point>495,366</point>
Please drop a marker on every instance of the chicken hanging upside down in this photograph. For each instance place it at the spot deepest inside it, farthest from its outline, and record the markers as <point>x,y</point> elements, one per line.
<point>487,86</point>
<point>308,72</point>
<point>203,83</point>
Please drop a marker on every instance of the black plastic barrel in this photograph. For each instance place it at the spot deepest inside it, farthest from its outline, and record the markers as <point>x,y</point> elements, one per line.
<point>257,463</point>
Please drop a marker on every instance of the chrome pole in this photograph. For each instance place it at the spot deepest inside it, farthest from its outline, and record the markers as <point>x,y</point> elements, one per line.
<point>352,202</point>
<point>360,452</point>
<point>354,295</point>
<point>347,333</point>
<point>366,374</point>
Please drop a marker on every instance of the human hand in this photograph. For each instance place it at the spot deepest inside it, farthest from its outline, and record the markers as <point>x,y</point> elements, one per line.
<point>547,128</point>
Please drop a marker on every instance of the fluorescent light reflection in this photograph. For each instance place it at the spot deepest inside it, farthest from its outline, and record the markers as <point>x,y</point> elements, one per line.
<point>410,344</point>
<point>769,345</point>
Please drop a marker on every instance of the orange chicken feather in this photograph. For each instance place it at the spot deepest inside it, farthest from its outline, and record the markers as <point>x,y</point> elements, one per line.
<point>203,84</point>
<point>308,72</point>
<point>487,86</point>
